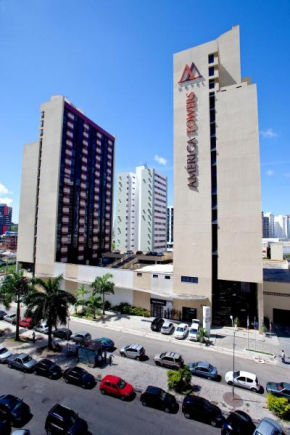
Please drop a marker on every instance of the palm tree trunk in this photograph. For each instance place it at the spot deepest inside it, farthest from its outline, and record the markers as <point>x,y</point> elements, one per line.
<point>49,344</point>
<point>103,303</point>
<point>17,318</point>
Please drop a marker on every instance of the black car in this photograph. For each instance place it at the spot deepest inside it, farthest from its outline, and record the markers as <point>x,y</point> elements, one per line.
<point>79,376</point>
<point>2,314</point>
<point>238,423</point>
<point>202,410</point>
<point>62,420</point>
<point>5,425</point>
<point>63,333</point>
<point>156,324</point>
<point>158,398</point>
<point>17,410</point>
<point>47,368</point>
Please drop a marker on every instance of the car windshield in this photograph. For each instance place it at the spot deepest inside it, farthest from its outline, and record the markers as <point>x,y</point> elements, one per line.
<point>17,405</point>
<point>163,394</point>
<point>193,331</point>
<point>121,384</point>
<point>26,359</point>
<point>179,329</point>
<point>3,350</point>
<point>210,367</point>
<point>73,417</point>
<point>208,405</point>
<point>236,374</point>
<point>281,386</point>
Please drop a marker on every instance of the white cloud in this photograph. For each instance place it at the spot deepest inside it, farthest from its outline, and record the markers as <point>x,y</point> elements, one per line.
<point>3,189</point>
<point>270,172</point>
<point>269,133</point>
<point>7,201</point>
<point>287,174</point>
<point>160,160</point>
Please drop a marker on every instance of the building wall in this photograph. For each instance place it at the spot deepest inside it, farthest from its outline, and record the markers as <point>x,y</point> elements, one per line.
<point>26,227</point>
<point>280,297</point>
<point>141,299</point>
<point>238,181</point>
<point>159,212</point>
<point>126,219</point>
<point>145,208</point>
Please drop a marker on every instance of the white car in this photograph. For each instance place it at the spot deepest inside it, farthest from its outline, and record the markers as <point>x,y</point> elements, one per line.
<point>181,331</point>
<point>193,330</point>
<point>167,327</point>
<point>4,353</point>
<point>11,318</point>
<point>43,327</point>
<point>244,380</point>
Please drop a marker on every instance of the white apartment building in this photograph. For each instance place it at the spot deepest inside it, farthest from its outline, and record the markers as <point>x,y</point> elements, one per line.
<point>271,218</point>
<point>141,210</point>
<point>170,226</point>
<point>281,225</point>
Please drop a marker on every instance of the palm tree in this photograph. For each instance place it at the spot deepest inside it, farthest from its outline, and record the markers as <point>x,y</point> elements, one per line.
<point>92,304</point>
<point>202,335</point>
<point>103,286</point>
<point>13,289</point>
<point>80,296</point>
<point>50,304</point>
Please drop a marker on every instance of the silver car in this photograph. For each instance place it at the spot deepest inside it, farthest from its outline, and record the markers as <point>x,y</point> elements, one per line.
<point>43,327</point>
<point>21,361</point>
<point>11,318</point>
<point>167,327</point>
<point>81,337</point>
<point>4,354</point>
<point>135,351</point>
<point>171,360</point>
<point>268,426</point>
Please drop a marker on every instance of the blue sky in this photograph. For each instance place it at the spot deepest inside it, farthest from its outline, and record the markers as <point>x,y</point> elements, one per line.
<point>113,59</point>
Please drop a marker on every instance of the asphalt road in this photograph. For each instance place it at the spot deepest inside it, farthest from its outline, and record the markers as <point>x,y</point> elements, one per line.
<point>104,414</point>
<point>223,362</point>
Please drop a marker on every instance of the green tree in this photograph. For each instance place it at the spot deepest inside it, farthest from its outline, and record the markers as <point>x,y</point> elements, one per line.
<point>80,296</point>
<point>103,286</point>
<point>179,380</point>
<point>279,406</point>
<point>50,304</point>
<point>93,304</point>
<point>13,289</point>
<point>202,335</point>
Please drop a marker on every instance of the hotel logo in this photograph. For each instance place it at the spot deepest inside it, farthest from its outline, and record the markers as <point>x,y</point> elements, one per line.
<point>189,74</point>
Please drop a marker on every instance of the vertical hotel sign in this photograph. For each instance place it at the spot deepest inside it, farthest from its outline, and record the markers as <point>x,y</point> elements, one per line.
<point>190,74</point>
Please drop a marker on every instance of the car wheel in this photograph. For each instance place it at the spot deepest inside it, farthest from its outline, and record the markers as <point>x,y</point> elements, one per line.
<point>209,378</point>
<point>186,415</point>
<point>35,372</point>
<point>103,391</point>
<point>10,366</point>
<point>157,363</point>
<point>48,432</point>
<point>213,423</point>
<point>83,386</point>
<point>230,383</point>
<point>50,376</point>
<point>66,380</point>
<point>24,371</point>
<point>122,398</point>
<point>137,358</point>
<point>254,390</point>
<point>144,403</point>
<point>167,410</point>
<point>123,354</point>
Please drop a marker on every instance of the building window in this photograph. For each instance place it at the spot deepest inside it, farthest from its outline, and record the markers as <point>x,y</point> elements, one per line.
<point>155,276</point>
<point>167,277</point>
<point>211,71</point>
<point>191,279</point>
<point>211,84</point>
<point>139,274</point>
<point>211,58</point>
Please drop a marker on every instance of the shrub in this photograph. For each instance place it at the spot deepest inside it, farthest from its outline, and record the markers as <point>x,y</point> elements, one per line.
<point>237,322</point>
<point>108,305</point>
<point>279,406</point>
<point>125,308</point>
<point>179,380</point>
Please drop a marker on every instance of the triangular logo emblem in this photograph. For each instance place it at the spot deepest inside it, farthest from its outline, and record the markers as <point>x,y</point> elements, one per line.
<point>190,73</point>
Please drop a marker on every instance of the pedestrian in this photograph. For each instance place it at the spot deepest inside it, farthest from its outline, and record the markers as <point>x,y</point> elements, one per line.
<point>105,355</point>
<point>283,356</point>
<point>33,337</point>
<point>110,359</point>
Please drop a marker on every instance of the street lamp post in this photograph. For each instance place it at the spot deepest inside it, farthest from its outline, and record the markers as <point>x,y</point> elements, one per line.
<point>234,345</point>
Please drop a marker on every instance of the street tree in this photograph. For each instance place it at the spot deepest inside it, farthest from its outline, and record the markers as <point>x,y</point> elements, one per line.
<point>103,286</point>
<point>13,289</point>
<point>49,303</point>
<point>81,292</point>
<point>93,303</point>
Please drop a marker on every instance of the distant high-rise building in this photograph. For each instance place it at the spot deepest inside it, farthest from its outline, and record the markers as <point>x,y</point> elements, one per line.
<point>270,216</point>
<point>66,201</point>
<point>170,226</point>
<point>5,218</point>
<point>282,226</point>
<point>141,210</point>
<point>265,226</point>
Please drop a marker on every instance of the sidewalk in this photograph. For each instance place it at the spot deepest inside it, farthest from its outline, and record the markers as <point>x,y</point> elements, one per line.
<point>221,339</point>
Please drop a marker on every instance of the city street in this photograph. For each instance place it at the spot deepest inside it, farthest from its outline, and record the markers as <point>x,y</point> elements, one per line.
<point>104,414</point>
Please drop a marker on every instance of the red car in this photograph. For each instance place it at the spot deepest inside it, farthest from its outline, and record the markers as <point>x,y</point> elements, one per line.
<point>25,323</point>
<point>117,387</point>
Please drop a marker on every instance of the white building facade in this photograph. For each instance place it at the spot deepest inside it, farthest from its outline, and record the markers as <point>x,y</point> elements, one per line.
<point>281,225</point>
<point>170,226</point>
<point>271,218</point>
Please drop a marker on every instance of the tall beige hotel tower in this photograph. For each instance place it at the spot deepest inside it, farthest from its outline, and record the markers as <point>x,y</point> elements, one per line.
<point>217,192</point>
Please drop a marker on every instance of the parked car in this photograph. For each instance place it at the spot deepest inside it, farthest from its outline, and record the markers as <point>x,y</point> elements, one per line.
<point>279,389</point>
<point>117,387</point>
<point>17,410</point>
<point>48,368</point>
<point>200,409</point>
<point>203,369</point>
<point>238,423</point>
<point>21,432</point>
<point>63,333</point>
<point>107,343</point>
<point>4,354</point>
<point>129,252</point>
<point>21,361</point>
<point>42,327</point>
<point>10,317</point>
<point>167,327</point>
<point>181,331</point>
<point>116,251</point>
<point>26,322</point>
<point>157,323</point>
<point>268,426</point>
<point>135,351</point>
<point>5,425</point>
<point>81,337</point>
<point>139,252</point>
<point>244,380</point>
<point>79,376</point>
<point>171,360</point>
<point>193,330</point>
<point>158,398</point>
<point>63,420</point>
<point>2,314</point>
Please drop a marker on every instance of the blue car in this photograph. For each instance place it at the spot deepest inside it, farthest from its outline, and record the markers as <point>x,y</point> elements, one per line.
<point>203,369</point>
<point>107,343</point>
